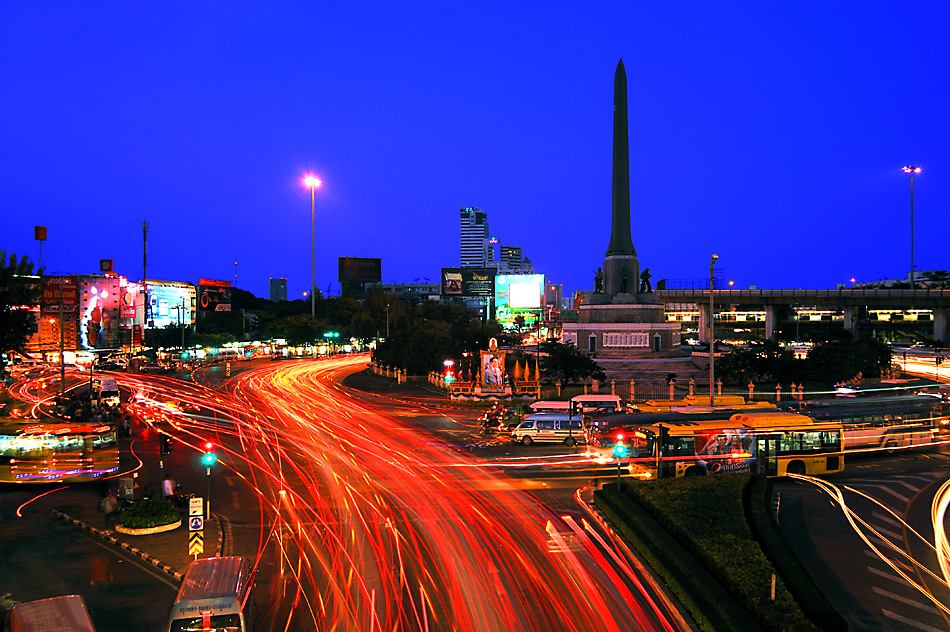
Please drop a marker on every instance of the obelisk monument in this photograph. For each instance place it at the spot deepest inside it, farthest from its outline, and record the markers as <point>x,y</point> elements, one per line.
<point>621,268</point>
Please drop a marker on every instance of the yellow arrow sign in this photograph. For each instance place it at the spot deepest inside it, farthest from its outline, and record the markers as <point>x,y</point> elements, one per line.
<point>196,543</point>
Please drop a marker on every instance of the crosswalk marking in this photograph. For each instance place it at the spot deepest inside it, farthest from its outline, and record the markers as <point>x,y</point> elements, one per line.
<point>897,495</point>
<point>885,518</point>
<point>910,622</point>
<point>907,567</point>
<point>891,576</point>
<point>910,602</point>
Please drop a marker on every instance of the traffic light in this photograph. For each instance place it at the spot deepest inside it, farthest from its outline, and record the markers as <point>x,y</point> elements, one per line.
<point>166,445</point>
<point>208,458</point>
<point>938,360</point>
<point>449,372</point>
<point>620,450</point>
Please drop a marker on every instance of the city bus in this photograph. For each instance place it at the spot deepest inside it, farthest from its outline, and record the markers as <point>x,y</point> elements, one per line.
<point>56,614</point>
<point>772,443</point>
<point>888,423</point>
<point>33,451</point>
<point>698,403</point>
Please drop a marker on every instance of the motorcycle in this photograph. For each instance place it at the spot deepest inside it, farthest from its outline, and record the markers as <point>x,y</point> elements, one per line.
<point>180,499</point>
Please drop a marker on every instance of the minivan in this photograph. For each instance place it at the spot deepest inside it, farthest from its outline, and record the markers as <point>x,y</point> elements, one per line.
<point>217,593</point>
<point>550,428</point>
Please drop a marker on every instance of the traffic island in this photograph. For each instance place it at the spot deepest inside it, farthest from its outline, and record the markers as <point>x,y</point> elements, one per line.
<point>148,530</point>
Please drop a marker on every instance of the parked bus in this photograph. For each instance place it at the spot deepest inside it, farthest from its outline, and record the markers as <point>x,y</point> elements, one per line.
<point>56,614</point>
<point>217,593</point>
<point>773,443</point>
<point>881,423</point>
<point>43,452</point>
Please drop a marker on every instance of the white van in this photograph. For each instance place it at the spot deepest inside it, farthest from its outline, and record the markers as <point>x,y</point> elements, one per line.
<point>550,428</point>
<point>56,614</point>
<point>216,594</point>
<point>597,403</point>
<point>550,406</point>
<point>106,391</point>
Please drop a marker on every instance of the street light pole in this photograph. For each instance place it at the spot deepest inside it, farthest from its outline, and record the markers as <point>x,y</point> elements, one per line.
<point>912,170</point>
<point>313,182</point>
<point>712,334</point>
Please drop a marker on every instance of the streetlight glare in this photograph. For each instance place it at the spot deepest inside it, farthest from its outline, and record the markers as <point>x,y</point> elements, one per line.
<point>312,181</point>
<point>911,169</point>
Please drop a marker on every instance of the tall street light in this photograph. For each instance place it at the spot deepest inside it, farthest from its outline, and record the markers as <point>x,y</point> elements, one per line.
<point>712,334</point>
<point>912,171</point>
<point>313,182</point>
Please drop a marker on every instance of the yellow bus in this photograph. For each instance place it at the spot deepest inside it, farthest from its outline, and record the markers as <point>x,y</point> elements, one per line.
<point>33,451</point>
<point>697,403</point>
<point>773,443</point>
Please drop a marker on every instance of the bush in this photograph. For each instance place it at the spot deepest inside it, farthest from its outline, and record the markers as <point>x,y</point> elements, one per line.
<point>148,513</point>
<point>706,516</point>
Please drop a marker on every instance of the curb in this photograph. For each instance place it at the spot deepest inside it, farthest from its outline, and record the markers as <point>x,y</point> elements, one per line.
<point>107,535</point>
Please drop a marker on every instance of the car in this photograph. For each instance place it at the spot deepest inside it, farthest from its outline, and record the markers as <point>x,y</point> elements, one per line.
<point>150,367</point>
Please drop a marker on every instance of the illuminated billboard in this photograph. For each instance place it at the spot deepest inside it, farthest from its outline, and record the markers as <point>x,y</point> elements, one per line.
<point>168,300</point>
<point>99,311</point>
<point>214,296</point>
<point>518,295</point>
<point>468,281</point>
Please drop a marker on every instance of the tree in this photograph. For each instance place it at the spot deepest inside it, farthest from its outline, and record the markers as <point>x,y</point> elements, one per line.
<point>841,361</point>
<point>566,363</point>
<point>19,291</point>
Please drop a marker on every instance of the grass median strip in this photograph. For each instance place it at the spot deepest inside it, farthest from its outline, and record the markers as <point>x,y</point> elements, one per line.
<point>694,533</point>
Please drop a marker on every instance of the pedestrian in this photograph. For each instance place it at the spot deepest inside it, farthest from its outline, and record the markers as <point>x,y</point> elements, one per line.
<point>109,506</point>
<point>168,487</point>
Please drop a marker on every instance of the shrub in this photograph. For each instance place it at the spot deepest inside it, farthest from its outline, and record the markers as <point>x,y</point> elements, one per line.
<point>151,512</point>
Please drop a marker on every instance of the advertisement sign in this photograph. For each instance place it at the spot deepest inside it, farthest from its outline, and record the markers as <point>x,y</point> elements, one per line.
<point>99,312</point>
<point>360,270</point>
<point>518,296</point>
<point>52,286</point>
<point>171,303</point>
<point>726,450</point>
<point>468,281</point>
<point>214,296</point>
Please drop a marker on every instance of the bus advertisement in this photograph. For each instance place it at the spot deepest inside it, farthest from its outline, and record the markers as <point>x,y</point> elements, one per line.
<point>44,452</point>
<point>771,443</point>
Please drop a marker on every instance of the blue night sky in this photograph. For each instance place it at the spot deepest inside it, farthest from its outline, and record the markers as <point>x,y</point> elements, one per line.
<point>770,133</point>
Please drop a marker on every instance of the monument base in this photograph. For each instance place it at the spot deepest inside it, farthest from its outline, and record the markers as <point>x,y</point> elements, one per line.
<point>623,331</point>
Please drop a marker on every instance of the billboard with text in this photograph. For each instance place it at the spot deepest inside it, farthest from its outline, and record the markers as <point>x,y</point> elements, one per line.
<point>468,281</point>
<point>214,296</point>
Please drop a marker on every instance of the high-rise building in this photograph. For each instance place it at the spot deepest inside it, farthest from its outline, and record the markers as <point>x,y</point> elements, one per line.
<point>475,240</point>
<point>278,289</point>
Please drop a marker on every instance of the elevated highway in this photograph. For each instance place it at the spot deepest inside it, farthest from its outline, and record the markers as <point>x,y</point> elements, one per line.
<point>855,303</point>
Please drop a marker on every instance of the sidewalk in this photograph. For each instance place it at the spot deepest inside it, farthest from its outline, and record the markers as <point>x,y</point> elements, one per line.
<point>168,551</point>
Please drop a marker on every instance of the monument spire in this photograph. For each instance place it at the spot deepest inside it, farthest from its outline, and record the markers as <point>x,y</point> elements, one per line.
<point>620,241</point>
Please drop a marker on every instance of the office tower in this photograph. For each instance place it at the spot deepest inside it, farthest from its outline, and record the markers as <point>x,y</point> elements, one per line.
<point>278,289</point>
<point>475,241</point>
<point>510,258</point>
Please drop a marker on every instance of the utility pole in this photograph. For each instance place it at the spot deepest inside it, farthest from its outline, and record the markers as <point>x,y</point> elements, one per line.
<point>62,361</point>
<point>144,277</point>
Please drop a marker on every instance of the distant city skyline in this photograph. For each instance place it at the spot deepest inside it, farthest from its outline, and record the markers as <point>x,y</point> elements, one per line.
<point>772,135</point>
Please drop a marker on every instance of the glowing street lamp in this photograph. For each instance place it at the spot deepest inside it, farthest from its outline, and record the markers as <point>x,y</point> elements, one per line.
<point>313,182</point>
<point>912,171</point>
